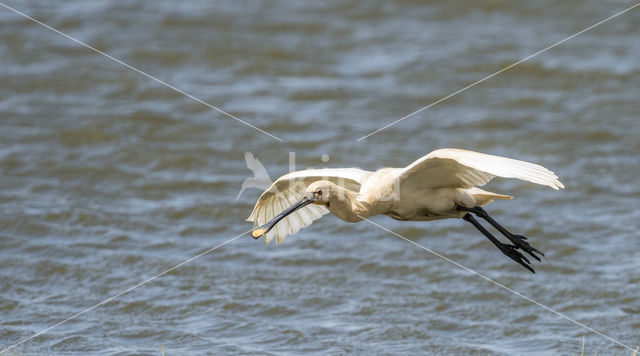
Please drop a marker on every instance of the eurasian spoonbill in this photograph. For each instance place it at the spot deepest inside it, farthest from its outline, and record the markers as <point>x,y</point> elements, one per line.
<point>440,185</point>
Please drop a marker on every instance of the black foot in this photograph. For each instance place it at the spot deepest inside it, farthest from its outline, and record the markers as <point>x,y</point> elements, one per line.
<point>520,242</point>
<point>514,254</point>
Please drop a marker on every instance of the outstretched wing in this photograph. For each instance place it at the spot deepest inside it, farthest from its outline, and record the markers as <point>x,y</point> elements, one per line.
<point>289,189</point>
<point>452,167</point>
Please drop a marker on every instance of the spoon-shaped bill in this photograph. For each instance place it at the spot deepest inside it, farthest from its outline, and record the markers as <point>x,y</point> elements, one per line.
<point>266,227</point>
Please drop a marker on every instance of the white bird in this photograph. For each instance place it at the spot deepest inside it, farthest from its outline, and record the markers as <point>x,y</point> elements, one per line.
<point>260,179</point>
<point>440,185</point>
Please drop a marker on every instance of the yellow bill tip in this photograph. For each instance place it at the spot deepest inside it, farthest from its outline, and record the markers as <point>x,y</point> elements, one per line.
<point>257,233</point>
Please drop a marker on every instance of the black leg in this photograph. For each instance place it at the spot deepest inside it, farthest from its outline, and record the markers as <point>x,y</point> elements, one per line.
<point>507,249</point>
<point>517,240</point>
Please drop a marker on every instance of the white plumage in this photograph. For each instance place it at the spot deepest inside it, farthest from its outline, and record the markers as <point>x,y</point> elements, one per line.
<point>452,167</point>
<point>443,184</point>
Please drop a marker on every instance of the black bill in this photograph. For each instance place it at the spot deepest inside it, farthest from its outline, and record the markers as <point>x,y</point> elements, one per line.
<point>266,227</point>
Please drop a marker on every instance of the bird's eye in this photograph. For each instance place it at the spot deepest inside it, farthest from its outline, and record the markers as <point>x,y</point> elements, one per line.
<point>319,192</point>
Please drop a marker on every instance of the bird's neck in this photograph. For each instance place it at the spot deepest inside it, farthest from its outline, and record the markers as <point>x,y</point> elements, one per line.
<point>346,205</point>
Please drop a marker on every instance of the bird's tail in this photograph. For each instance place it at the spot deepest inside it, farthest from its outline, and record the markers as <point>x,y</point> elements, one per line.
<point>484,197</point>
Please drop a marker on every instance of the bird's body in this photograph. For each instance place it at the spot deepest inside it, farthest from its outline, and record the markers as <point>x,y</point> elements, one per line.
<point>443,184</point>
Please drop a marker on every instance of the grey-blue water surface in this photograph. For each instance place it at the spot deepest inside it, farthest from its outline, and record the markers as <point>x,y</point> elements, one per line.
<point>109,178</point>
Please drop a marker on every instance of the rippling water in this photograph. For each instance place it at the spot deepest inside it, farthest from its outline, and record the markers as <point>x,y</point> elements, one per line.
<point>109,178</point>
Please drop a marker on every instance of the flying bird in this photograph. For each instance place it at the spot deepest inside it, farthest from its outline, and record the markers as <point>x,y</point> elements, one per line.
<point>260,179</point>
<point>441,185</point>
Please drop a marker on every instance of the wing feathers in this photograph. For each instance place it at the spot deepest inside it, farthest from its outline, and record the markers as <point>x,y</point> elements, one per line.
<point>451,167</point>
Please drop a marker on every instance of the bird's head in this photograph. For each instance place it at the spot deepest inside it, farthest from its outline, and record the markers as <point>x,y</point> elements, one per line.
<point>320,192</point>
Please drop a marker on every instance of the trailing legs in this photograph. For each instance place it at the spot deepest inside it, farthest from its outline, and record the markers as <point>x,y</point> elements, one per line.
<point>519,241</point>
